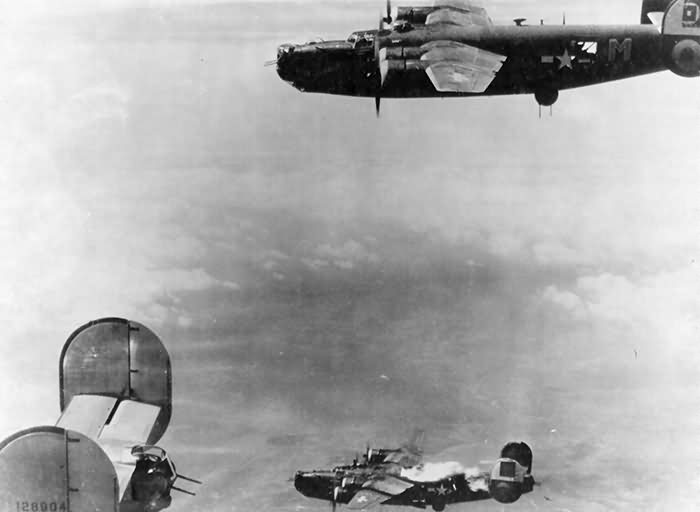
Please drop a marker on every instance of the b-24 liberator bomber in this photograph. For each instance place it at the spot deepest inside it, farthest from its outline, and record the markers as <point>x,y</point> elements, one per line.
<point>381,478</point>
<point>116,403</point>
<point>453,48</point>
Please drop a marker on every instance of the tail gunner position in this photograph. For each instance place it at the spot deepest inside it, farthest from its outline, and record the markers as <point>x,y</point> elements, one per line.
<point>116,403</point>
<point>454,49</point>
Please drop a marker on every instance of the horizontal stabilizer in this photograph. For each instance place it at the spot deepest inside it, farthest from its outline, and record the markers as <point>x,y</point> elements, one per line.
<point>130,424</point>
<point>55,470</point>
<point>87,414</point>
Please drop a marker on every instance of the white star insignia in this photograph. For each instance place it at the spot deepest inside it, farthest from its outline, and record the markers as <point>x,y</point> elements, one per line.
<point>565,60</point>
<point>362,499</point>
<point>442,490</point>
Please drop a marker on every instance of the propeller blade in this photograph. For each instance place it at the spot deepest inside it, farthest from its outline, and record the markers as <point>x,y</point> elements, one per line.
<point>388,18</point>
<point>270,63</point>
<point>334,501</point>
<point>378,96</point>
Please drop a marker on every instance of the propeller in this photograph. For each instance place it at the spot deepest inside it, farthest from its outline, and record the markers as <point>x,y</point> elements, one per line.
<point>380,75</point>
<point>388,19</point>
<point>270,63</point>
<point>336,493</point>
<point>337,489</point>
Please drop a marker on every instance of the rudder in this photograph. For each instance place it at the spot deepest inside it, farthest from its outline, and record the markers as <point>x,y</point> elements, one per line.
<point>49,469</point>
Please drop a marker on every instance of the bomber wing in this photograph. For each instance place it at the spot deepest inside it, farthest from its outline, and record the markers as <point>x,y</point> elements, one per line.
<point>458,12</point>
<point>377,490</point>
<point>388,484</point>
<point>460,68</point>
<point>365,499</point>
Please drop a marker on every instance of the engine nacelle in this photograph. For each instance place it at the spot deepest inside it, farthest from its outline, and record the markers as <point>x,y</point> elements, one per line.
<point>685,58</point>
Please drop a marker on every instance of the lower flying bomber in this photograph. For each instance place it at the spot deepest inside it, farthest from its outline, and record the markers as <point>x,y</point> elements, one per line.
<point>454,49</point>
<point>398,477</point>
<point>115,391</point>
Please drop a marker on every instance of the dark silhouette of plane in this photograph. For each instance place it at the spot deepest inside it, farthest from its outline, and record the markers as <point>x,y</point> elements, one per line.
<point>392,479</point>
<point>454,49</point>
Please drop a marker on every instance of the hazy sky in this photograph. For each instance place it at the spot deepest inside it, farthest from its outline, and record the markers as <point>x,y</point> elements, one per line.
<point>323,278</point>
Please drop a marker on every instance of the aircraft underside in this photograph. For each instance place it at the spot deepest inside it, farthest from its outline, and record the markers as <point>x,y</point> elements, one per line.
<point>535,60</point>
<point>355,75</point>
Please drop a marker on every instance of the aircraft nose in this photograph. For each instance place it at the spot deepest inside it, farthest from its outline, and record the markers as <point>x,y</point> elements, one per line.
<point>284,49</point>
<point>301,482</point>
<point>310,485</point>
<point>284,69</point>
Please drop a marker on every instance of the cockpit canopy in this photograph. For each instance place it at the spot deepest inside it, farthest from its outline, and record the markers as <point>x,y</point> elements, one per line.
<point>362,38</point>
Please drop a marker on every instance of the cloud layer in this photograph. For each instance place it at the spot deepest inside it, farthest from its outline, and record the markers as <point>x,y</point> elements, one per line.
<point>322,278</point>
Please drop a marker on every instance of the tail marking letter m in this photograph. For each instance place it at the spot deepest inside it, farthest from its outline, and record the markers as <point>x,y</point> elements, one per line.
<point>616,48</point>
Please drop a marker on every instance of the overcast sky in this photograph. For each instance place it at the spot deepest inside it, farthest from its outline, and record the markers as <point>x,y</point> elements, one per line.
<point>323,278</point>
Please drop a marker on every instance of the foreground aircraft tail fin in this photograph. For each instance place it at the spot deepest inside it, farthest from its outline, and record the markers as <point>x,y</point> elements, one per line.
<point>53,469</point>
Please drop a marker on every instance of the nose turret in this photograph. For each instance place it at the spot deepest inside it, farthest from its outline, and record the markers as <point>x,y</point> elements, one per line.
<point>285,68</point>
<point>315,484</point>
<point>310,484</point>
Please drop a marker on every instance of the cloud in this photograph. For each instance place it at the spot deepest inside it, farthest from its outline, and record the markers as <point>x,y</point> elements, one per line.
<point>658,313</point>
<point>553,252</point>
<point>566,300</point>
<point>667,302</point>
<point>346,256</point>
<point>315,264</point>
<point>186,280</point>
<point>288,268</point>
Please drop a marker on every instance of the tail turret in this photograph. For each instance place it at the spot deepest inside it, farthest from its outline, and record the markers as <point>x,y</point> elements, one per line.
<point>681,37</point>
<point>511,477</point>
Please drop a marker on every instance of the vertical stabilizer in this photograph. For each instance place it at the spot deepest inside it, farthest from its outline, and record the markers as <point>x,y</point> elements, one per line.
<point>683,19</point>
<point>118,358</point>
<point>55,470</point>
<point>681,37</point>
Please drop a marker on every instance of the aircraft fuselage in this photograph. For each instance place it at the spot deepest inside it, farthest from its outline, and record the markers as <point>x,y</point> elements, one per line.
<point>341,485</point>
<point>539,58</point>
